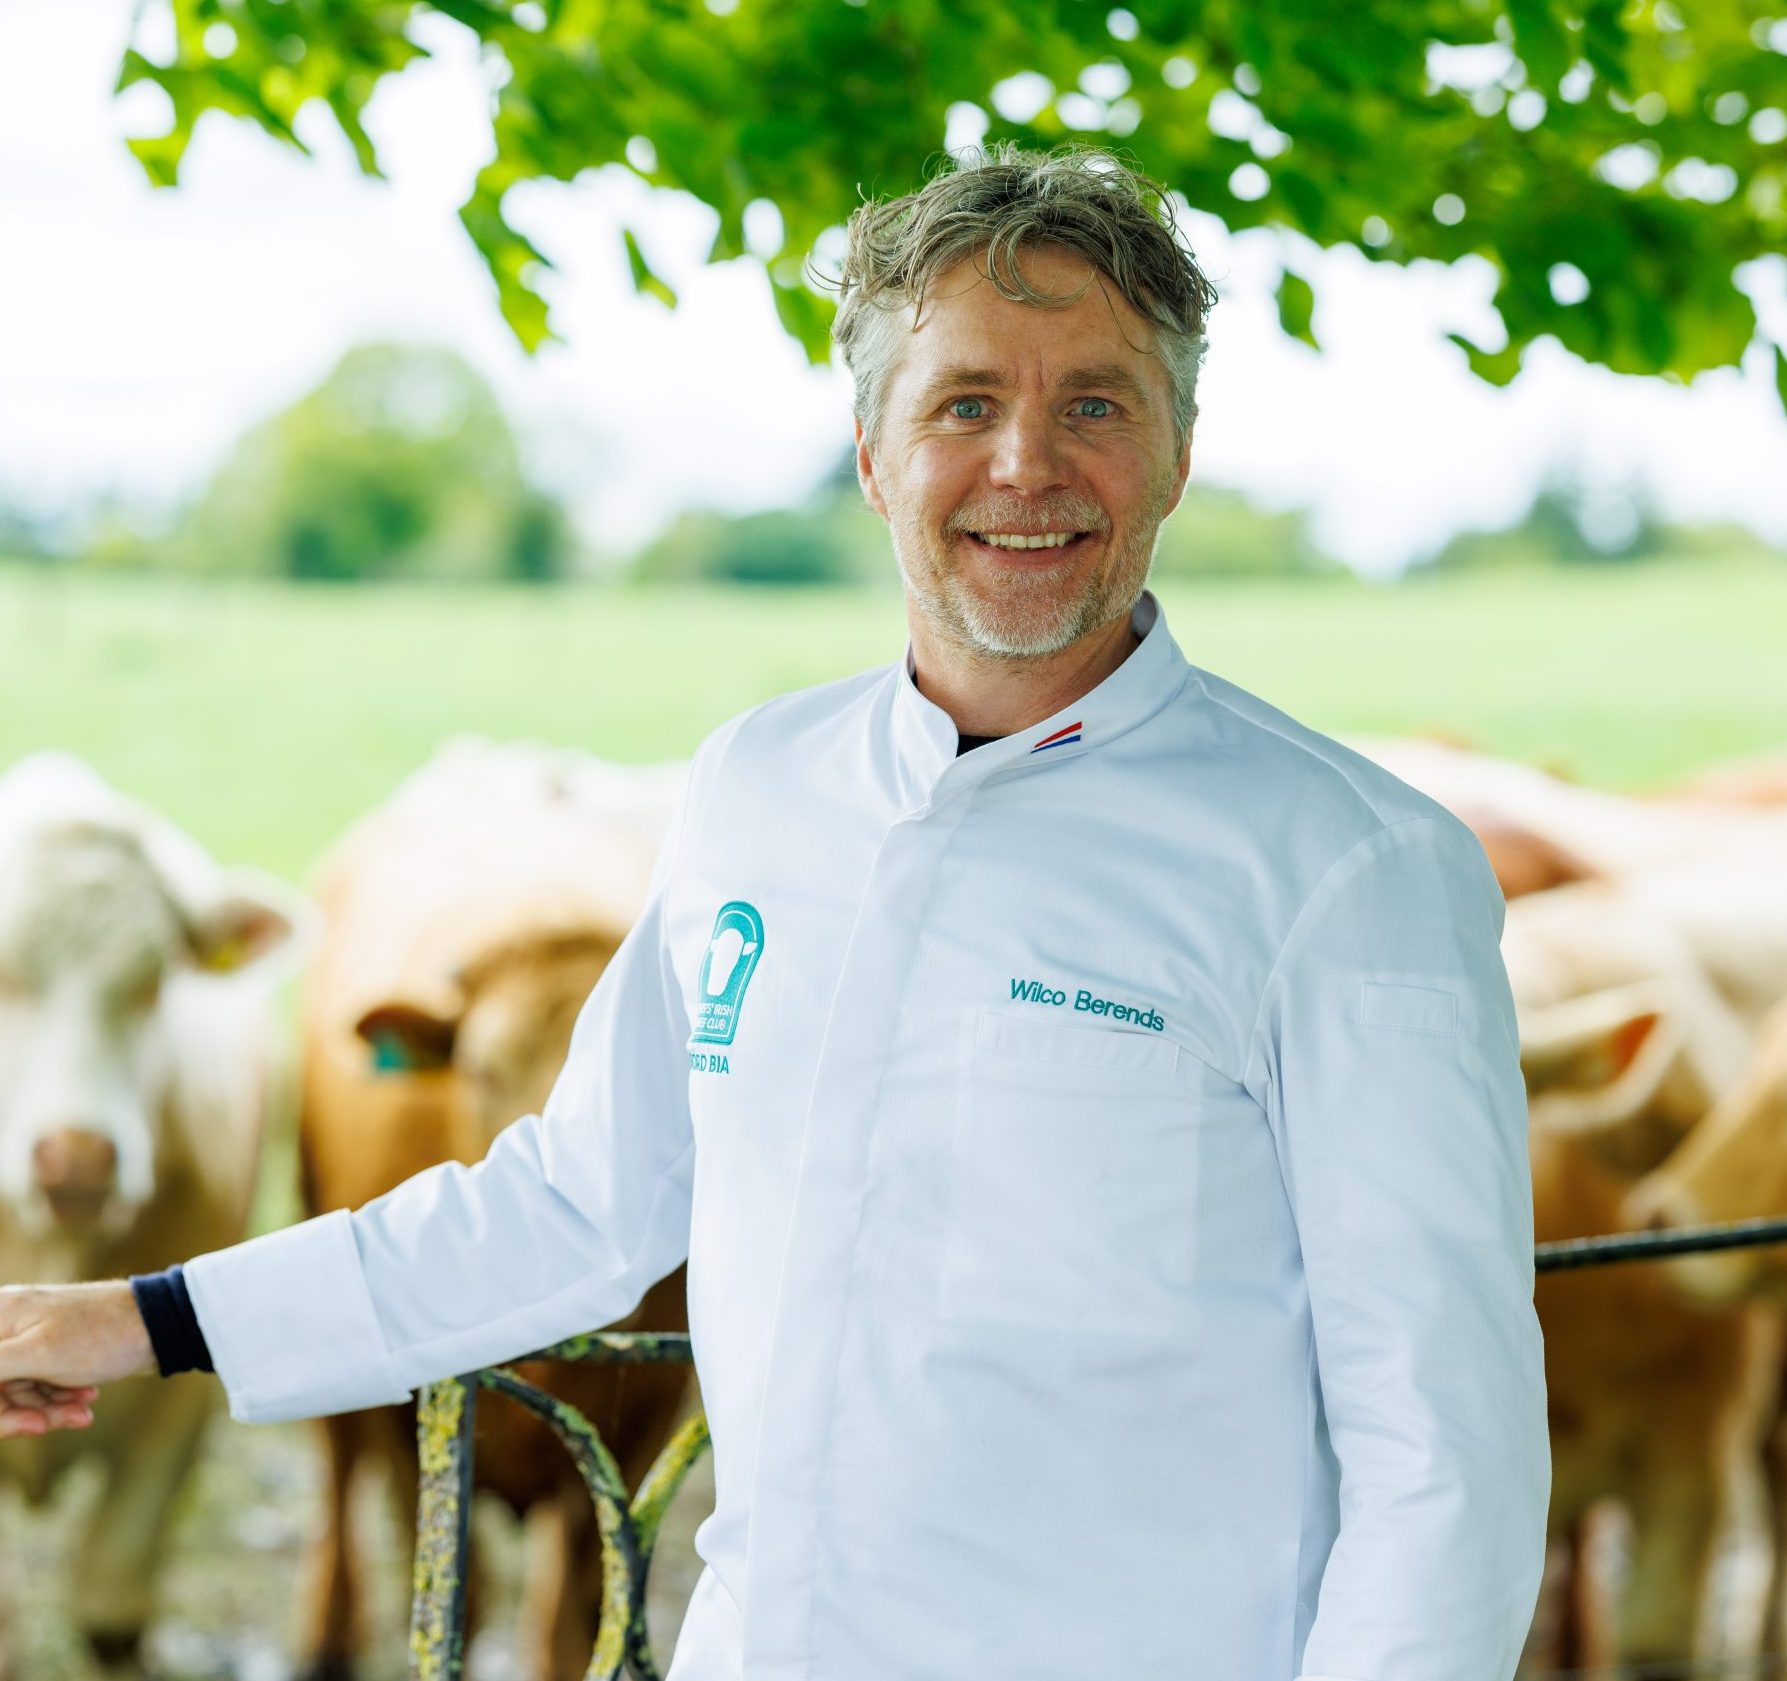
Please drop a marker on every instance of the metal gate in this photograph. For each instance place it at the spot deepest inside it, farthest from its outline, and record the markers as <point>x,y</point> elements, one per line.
<point>629,1528</point>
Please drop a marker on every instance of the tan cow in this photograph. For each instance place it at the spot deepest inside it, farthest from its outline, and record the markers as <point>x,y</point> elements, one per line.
<point>466,920</point>
<point>1607,834</point>
<point>1657,1405</point>
<point>136,1049</point>
<point>1734,1167</point>
<point>1761,781</point>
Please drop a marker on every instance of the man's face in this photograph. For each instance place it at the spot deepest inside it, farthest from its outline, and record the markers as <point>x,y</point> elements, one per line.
<point>1004,424</point>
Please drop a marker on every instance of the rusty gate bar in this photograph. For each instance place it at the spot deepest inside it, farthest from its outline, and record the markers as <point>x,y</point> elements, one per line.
<point>620,1348</point>
<point>444,1425</point>
<point>1652,1246</point>
<point>1674,1669</point>
<point>446,1416</point>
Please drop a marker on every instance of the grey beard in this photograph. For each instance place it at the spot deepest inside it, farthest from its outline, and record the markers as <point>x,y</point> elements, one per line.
<point>1001,630</point>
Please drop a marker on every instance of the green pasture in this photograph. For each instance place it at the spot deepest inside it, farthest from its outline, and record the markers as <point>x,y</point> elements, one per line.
<point>266,716</point>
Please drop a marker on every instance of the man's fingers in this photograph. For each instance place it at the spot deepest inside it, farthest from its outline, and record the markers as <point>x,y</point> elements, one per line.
<point>30,1407</point>
<point>35,1421</point>
<point>32,1392</point>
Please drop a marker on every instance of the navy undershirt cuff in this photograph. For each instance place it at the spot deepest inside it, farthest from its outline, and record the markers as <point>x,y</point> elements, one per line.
<point>172,1322</point>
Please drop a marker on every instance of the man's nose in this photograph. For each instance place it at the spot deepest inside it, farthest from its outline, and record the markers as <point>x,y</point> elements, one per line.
<point>1027,454</point>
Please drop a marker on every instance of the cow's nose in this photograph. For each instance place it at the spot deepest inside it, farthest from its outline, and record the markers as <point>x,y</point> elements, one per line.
<point>75,1163</point>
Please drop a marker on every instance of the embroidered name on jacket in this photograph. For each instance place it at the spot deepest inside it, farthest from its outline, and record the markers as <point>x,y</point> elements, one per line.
<point>1040,992</point>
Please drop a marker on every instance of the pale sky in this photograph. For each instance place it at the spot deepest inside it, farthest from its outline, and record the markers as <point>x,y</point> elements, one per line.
<point>140,331</point>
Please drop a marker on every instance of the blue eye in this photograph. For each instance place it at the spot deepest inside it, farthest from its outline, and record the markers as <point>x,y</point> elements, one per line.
<point>967,408</point>
<point>1094,408</point>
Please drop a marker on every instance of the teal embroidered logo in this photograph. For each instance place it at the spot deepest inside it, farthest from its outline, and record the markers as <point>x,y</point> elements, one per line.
<point>726,969</point>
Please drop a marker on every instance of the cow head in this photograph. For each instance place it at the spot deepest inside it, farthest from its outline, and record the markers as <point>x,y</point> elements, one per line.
<point>501,1026</point>
<point>1733,1167</point>
<point>1624,1041</point>
<point>104,915</point>
<point>1623,1071</point>
<point>1524,860</point>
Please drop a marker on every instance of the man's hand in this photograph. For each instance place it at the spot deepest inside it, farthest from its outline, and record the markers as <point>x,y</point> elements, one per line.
<point>57,1344</point>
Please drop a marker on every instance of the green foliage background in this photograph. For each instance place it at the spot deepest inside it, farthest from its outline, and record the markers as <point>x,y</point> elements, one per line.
<point>1329,126</point>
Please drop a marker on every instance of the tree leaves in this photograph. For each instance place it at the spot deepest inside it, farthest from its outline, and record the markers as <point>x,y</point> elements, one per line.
<point>645,278</point>
<point>1541,40</point>
<point>1296,308</point>
<point>1495,366</point>
<point>1290,113</point>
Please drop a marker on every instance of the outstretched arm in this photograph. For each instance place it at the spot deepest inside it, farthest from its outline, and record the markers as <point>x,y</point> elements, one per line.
<point>570,1217</point>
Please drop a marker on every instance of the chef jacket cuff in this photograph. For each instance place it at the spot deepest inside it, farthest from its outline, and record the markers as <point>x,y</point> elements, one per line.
<point>291,1326</point>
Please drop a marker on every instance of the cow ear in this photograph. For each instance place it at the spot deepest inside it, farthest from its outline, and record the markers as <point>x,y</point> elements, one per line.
<point>1580,1052</point>
<point>1614,1069</point>
<point>252,920</point>
<point>407,1040</point>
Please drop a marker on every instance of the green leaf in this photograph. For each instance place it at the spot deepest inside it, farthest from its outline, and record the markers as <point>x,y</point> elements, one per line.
<point>1781,375</point>
<point>805,317</point>
<point>160,157</point>
<point>1296,308</point>
<point>1496,366</point>
<point>512,259</point>
<point>645,279</point>
<point>1541,41</point>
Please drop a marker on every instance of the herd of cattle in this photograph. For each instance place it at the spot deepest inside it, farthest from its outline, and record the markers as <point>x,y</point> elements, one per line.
<point>451,935</point>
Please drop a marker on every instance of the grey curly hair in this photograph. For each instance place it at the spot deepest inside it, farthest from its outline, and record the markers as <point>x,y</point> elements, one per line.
<point>994,205</point>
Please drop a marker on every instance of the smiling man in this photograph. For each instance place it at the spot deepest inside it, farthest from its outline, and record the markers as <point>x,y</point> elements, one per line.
<point>1088,1101</point>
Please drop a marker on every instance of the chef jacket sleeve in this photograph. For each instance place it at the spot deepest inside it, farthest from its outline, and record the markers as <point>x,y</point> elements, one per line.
<point>569,1218</point>
<point>1389,1060</point>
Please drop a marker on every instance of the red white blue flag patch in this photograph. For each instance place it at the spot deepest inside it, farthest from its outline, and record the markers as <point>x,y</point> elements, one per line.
<point>1060,738</point>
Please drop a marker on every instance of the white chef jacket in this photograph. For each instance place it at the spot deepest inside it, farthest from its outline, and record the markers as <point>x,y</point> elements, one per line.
<point>1100,1160</point>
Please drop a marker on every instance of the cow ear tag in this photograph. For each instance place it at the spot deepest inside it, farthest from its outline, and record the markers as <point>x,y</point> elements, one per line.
<point>389,1054</point>
<point>403,1040</point>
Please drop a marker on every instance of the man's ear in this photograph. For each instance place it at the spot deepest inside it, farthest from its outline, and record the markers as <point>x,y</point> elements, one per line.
<point>865,473</point>
<point>1182,473</point>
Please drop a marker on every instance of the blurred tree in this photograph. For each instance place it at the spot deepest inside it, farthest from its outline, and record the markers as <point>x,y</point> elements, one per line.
<point>1216,533</point>
<point>1616,160</point>
<point>1568,523</point>
<point>833,539</point>
<point>26,534</point>
<point>400,464</point>
<point>1572,524</point>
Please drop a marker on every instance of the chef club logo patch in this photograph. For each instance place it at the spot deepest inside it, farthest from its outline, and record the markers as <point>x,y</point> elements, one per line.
<point>727,966</point>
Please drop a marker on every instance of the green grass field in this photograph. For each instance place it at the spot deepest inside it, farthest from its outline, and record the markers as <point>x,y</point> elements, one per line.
<point>266,717</point>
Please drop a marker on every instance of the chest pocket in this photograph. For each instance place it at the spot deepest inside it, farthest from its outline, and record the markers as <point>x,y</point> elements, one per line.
<point>1074,1176</point>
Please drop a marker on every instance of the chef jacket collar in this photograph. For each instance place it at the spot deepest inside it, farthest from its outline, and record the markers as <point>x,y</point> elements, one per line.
<point>925,735</point>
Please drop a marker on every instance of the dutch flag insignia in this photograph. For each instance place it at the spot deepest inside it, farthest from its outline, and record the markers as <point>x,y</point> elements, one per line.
<point>1060,738</point>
